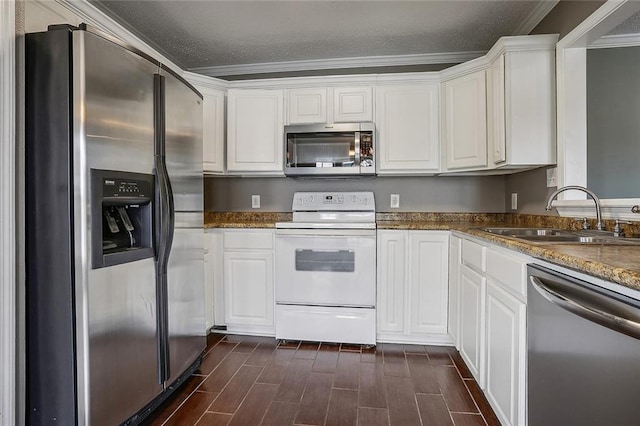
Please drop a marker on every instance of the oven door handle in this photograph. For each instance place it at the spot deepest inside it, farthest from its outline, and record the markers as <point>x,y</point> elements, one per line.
<point>323,233</point>
<point>591,310</point>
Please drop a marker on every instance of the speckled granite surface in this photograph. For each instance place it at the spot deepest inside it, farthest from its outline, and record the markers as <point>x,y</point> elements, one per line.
<point>615,263</point>
<point>244,219</point>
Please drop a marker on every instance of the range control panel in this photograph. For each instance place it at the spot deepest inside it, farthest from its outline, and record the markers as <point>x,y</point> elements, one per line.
<point>337,201</point>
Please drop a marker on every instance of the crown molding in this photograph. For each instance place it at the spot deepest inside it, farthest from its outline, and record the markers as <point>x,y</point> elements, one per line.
<point>620,40</point>
<point>338,63</point>
<point>535,17</point>
<point>204,82</point>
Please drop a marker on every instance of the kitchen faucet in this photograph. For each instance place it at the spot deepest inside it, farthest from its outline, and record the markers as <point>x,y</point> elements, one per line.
<point>599,226</point>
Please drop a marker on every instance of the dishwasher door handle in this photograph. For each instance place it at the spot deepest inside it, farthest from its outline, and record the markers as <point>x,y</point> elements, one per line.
<point>588,311</point>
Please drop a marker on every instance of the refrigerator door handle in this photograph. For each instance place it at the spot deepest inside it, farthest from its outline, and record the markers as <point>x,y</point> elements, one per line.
<point>165,218</point>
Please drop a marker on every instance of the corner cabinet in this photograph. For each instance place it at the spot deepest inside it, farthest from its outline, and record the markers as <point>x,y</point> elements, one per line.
<point>412,286</point>
<point>329,105</point>
<point>407,121</point>
<point>465,121</point>
<point>255,131</point>
<point>521,113</point>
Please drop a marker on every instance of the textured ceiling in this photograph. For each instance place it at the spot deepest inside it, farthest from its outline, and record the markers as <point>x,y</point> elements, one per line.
<point>630,26</point>
<point>197,34</point>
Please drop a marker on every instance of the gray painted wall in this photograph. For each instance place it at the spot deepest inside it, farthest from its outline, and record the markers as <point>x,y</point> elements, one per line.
<point>613,124</point>
<point>531,187</point>
<point>425,193</point>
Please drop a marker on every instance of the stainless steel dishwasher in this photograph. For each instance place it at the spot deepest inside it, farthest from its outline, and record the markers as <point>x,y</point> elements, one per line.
<point>583,352</point>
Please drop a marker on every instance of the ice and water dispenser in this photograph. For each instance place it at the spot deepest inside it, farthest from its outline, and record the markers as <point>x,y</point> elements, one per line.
<point>122,217</point>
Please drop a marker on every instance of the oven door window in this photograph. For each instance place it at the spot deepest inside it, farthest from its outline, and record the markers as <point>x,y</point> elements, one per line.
<point>325,260</point>
<point>326,149</point>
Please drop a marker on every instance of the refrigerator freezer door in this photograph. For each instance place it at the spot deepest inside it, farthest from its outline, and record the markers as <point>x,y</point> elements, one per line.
<point>185,273</point>
<point>117,306</point>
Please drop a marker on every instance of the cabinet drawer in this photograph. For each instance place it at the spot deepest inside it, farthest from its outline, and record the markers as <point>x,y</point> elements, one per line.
<point>249,240</point>
<point>474,255</point>
<point>509,271</point>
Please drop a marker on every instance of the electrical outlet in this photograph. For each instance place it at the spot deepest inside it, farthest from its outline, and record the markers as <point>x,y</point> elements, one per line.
<point>395,201</point>
<point>255,201</point>
<point>552,177</point>
<point>514,201</point>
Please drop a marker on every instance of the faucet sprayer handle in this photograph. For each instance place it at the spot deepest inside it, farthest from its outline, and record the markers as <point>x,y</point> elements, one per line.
<point>585,222</point>
<point>617,229</point>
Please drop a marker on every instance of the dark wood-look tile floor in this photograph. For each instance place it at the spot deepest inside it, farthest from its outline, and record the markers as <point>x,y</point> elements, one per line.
<point>247,380</point>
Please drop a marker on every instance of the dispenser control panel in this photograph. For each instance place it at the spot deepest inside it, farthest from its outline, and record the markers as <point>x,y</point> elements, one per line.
<point>118,188</point>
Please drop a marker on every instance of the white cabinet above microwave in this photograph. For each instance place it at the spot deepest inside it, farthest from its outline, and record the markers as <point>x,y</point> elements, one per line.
<point>329,105</point>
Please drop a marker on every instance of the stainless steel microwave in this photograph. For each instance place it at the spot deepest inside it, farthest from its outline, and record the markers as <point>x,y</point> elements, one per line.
<point>330,150</point>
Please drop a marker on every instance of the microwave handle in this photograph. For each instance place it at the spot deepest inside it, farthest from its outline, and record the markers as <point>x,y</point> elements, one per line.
<point>357,149</point>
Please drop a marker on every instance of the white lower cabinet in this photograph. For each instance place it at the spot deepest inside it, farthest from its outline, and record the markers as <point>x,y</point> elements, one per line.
<point>455,254</point>
<point>412,294</point>
<point>491,315</point>
<point>472,291</point>
<point>248,277</point>
<point>214,295</point>
<point>506,351</point>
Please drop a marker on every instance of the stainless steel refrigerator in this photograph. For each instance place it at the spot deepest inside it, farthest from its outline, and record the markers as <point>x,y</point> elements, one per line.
<point>114,230</point>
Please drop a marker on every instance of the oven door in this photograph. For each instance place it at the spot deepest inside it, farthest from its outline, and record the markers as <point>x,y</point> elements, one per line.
<point>326,267</point>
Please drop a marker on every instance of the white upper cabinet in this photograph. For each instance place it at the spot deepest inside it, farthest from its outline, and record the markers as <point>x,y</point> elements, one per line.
<point>307,106</point>
<point>496,141</point>
<point>465,121</point>
<point>213,130</point>
<point>352,104</point>
<point>330,105</point>
<point>255,131</point>
<point>407,120</point>
<point>521,125</point>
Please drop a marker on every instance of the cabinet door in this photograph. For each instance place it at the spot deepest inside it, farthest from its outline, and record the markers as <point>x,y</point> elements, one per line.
<point>209,279</point>
<point>472,293</point>
<point>214,278</point>
<point>466,121</point>
<point>307,106</point>
<point>248,288</point>
<point>408,128</point>
<point>213,131</point>
<point>454,288</point>
<point>428,286</point>
<point>506,352</point>
<point>255,131</point>
<point>496,140</point>
<point>351,104</point>
<point>391,281</point>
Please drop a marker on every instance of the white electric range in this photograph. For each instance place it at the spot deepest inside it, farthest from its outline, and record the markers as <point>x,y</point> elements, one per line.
<point>326,269</point>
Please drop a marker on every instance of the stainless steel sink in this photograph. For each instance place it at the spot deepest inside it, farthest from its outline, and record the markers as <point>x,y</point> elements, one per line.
<point>518,232</point>
<point>550,235</point>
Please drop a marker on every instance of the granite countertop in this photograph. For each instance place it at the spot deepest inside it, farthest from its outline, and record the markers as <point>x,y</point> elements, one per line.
<point>616,263</point>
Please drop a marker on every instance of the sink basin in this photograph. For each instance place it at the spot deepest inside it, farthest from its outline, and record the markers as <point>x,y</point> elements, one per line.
<point>567,239</point>
<point>534,232</point>
<point>550,235</point>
